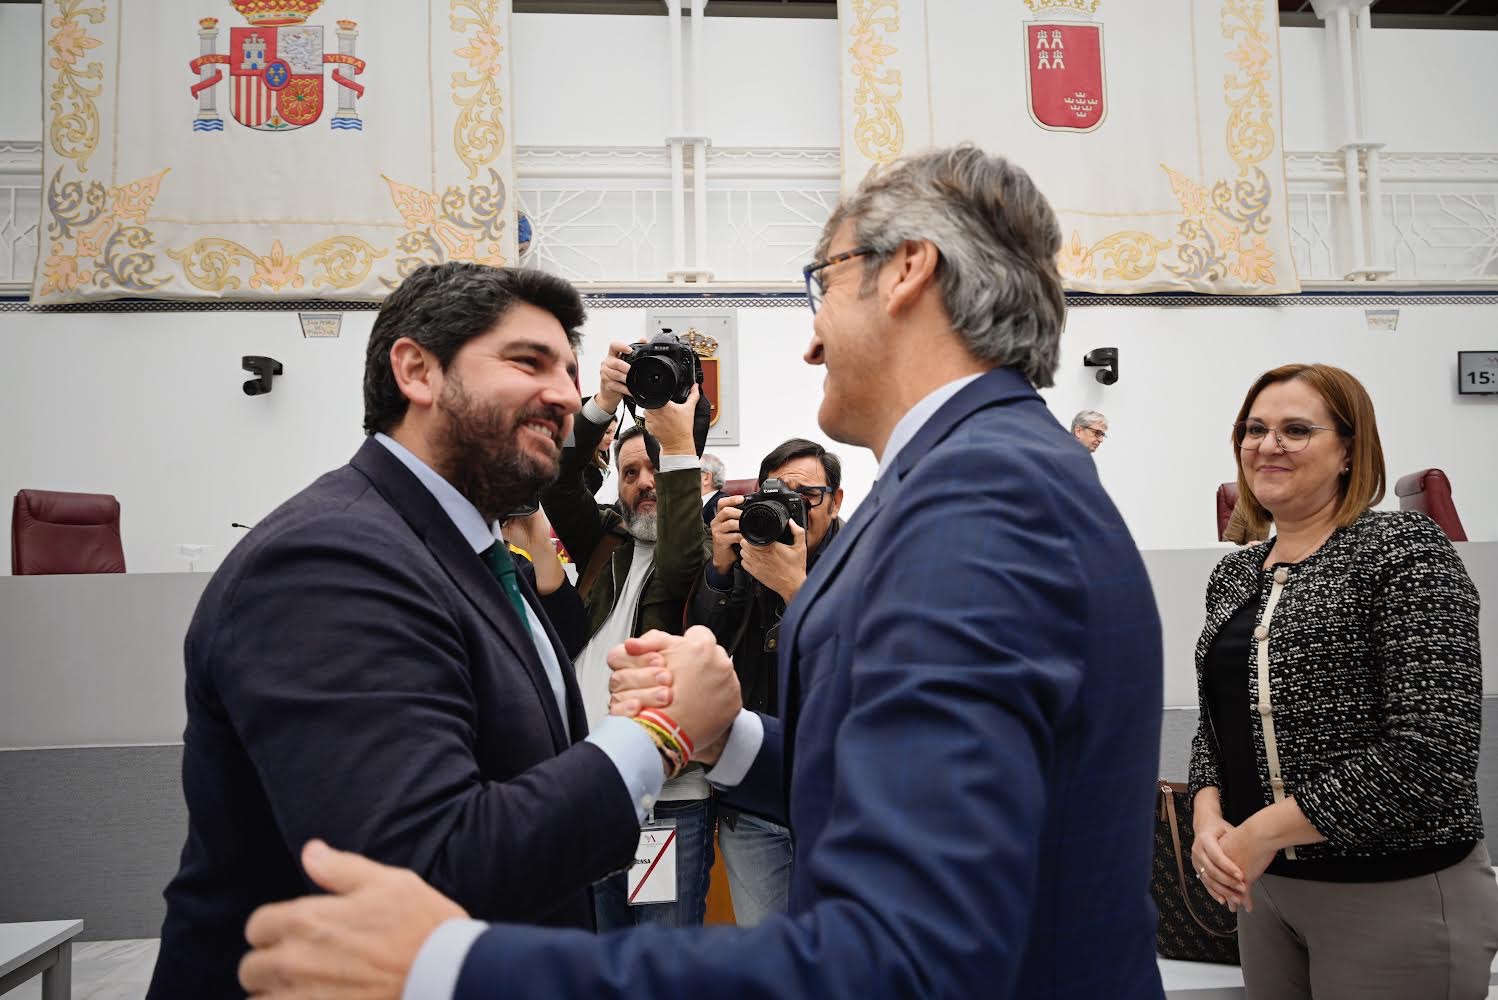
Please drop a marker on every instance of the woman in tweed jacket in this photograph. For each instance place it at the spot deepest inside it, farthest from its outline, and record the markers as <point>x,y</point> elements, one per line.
<point>1334,769</point>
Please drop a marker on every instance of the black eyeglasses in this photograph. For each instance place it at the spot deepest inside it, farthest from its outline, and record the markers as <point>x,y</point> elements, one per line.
<point>813,495</point>
<point>812,273</point>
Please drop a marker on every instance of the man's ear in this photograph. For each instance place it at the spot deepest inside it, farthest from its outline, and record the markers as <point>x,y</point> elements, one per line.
<point>417,373</point>
<point>837,501</point>
<point>913,272</point>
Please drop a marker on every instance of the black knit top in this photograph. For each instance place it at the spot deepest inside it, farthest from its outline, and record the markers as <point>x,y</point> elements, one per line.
<point>1376,685</point>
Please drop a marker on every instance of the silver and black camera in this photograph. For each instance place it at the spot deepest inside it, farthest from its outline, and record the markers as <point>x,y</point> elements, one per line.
<point>768,514</point>
<point>662,371</point>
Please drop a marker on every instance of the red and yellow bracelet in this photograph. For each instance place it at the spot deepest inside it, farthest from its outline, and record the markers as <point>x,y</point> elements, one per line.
<point>666,744</point>
<point>675,732</point>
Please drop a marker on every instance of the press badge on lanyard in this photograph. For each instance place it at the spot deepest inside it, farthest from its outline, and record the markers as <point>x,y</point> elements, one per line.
<point>652,878</point>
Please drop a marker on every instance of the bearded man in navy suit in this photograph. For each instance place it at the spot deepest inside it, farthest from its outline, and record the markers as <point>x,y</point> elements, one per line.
<point>368,667</point>
<point>971,678</point>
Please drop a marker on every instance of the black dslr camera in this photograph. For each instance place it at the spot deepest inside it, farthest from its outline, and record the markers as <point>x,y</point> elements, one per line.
<point>768,513</point>
<point>662,371</point>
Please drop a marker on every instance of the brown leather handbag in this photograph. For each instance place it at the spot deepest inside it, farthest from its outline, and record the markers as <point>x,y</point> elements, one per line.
<point>1193,926</point>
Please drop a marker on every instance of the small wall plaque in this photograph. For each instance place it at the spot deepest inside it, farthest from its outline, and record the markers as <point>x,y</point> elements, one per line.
<point>321,324</point>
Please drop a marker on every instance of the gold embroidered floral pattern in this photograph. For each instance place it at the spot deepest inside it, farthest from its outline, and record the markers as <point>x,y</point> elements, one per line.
<point>877,129</point>
<point>91,241</point>
<point>215,264</point>
<point>75,117</point>
<point>458,225</point>
<point>1129,254</point>
<point>478,134</point>
<point>1222,230</point>
<point>1251,122</point>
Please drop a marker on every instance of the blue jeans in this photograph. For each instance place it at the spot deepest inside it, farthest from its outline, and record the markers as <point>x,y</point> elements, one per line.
<point>694,864</point>
<point>757,854</point>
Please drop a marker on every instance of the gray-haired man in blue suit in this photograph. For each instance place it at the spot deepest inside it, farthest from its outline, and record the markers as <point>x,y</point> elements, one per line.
<point>971,678</point>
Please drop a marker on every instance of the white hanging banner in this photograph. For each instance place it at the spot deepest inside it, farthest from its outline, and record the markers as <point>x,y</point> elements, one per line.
<point>295,150</point>
<point>1152,128</point>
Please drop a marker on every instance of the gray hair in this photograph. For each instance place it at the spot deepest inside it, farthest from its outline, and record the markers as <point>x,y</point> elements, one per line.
<point>1087,418</point>
<point>997,238</point>
<point>713,466</point>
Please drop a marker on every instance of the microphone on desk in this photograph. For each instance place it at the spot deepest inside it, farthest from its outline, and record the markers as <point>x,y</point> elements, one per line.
<point>236,524</point>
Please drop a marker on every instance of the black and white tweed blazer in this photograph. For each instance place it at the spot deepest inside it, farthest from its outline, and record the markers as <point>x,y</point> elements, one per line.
<point>1375,678</point>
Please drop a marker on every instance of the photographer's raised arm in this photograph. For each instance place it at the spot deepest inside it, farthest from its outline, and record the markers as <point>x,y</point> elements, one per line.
<point>567,502</point>
<point>611,378</point>
<point>683,547</point>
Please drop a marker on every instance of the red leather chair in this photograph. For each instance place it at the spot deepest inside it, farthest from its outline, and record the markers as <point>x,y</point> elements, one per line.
<point>739,487</point>
<point>54,532</point>
<point>1227,499</point>
<point>1429,492</point>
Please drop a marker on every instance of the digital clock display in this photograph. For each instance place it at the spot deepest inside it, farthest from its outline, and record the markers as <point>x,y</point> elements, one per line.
<point>1477,372</point>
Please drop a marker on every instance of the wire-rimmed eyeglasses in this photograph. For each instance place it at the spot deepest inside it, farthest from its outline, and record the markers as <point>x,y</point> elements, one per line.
<point>1292,435</point>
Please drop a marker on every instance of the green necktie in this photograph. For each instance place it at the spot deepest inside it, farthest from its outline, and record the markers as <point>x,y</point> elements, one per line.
<point>503,568</point>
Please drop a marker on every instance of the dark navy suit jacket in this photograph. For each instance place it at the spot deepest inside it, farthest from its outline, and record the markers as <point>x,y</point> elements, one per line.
<point>355,673</point>
<point>971,687</point>
<point>710,507</point>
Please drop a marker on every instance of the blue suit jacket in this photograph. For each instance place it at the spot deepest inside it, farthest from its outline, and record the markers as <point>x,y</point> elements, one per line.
<point>971,691</point>
<point>355,673</point>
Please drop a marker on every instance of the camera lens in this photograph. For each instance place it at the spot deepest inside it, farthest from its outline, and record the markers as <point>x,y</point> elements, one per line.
<point>763,522</point>
<point>651,381</point>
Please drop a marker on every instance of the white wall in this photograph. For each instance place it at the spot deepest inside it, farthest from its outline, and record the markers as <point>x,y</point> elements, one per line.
<point>20,71</point>
<point>148,407</point>
<point>1424,90</point>
<point>598,80</point>
<point>771,82</point>
<point>1183,373</point>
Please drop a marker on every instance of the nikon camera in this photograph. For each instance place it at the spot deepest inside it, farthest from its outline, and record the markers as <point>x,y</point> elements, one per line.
<point>768,514</point>
<point>662,371</point>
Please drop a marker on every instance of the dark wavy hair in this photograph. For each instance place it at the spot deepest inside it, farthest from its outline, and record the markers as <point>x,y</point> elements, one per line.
<point>442,307</point>
<point>802,448</point>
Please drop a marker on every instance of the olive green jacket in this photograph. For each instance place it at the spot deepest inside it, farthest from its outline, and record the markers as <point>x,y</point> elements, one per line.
<point>592,534</point>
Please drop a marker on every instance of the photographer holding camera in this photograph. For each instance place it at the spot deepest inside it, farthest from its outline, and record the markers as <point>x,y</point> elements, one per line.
<point>763,547</point>
<point>636,566</point>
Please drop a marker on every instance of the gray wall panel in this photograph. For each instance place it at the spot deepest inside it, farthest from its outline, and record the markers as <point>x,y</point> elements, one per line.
<point>93,833</point>
<point>88,660</point>
<point>94,659</point>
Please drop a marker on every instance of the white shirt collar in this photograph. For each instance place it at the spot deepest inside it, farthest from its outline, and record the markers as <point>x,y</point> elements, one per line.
<point>465,516</point>
<point>916,418</point>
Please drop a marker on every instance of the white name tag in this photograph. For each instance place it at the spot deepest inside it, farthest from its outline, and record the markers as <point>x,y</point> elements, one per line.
<point>652,878</point>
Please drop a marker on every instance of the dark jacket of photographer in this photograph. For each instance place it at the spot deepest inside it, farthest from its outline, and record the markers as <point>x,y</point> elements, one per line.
<point>602,548</point>
<point>745,615</point>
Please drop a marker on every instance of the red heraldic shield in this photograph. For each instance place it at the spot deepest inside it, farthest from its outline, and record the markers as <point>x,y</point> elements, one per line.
<point>276,75</point>
<point>711,388</point>
<point>1064,75</point>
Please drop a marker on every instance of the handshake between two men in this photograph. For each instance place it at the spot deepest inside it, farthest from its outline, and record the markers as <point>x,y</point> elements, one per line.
<point>690,675</point>
<point>364,938</point>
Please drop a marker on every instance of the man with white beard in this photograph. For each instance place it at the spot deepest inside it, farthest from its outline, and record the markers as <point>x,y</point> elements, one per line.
<point>636,568</point>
